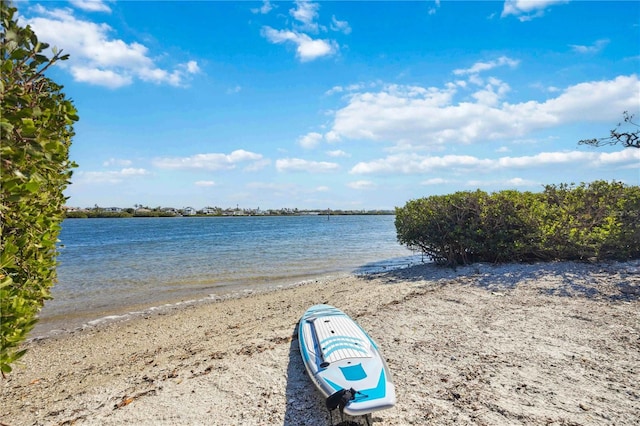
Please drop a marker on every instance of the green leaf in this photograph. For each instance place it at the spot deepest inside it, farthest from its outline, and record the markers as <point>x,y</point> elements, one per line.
<point>6,281</point>
<point>20,354</point>
<point>32,186</point>
<point>19,54</point>
<point>28,126</point>
<point>7,67</point>
<point>5,126</point>
<point>40,59</point>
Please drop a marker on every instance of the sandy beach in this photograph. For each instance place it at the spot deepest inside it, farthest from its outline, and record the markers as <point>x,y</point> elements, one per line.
<point>542,344</point>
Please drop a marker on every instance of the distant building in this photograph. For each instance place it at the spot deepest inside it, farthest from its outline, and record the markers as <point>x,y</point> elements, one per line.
<point>170,210</point>
<point>74,209</point>
<point>209,210</point>
<point>189,211</point>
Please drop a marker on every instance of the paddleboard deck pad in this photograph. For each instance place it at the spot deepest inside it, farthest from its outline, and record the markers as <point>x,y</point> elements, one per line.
<point>340,358</point>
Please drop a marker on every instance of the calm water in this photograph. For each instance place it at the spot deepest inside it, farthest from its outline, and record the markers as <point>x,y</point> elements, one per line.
<point>114,266</point>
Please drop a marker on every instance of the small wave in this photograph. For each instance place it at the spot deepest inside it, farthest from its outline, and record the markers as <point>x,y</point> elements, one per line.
<point>390,264</point>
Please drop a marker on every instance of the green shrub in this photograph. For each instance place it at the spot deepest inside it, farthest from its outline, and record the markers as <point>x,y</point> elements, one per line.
<point>591,221</point>
<point>443,227</point>
<point>36,131</point>
<point>564,222</point>
<point>624,240</point>
<point>509,227</point>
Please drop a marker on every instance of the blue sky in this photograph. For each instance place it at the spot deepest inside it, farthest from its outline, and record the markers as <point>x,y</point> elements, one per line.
<point>341,105</point>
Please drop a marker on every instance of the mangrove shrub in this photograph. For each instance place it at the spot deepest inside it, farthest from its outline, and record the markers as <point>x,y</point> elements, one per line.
<point>36,129</point>
<point>564,222</point>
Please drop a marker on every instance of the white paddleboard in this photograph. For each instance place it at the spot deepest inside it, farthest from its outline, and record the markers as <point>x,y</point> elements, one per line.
<point>339,355</point>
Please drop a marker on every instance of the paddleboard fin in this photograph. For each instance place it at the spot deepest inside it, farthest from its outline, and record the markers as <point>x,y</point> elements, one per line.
<point>340,400</point>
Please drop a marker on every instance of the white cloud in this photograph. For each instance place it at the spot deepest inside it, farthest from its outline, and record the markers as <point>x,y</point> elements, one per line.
<point>113,177</point>
<point>350,88</point>
<point>341,26</point>
<point>322,189</point>
<point>361,184</point>
<point>310,140</point>
<point>420,117</point>
<point>156,75</point>
<point>416,164</point>
<point>205,183</point>
<point>211,161</point>
<point>594,100</point>
<point>307,49</point>
<point>338,153</point>
<point>626,158</point>
<point>492,92</point>
<point>106,78</point>
<point>479,67</point>
<point>542,159</point>
<point>117,162</point>
<point>96,57</point>
<point>434,181</point>
<point>257,165</point>
<point>522,182</point>
<point>264,9</point>
<point>332,137</point>
<point>333,90</point>
<point>300,165</point>
<point>508,183</point>
<point>434,9</point>
<point>133,172</point>
<point>594,48</point>
<point>420,164</point>
<point>306,12</point>
<point>527,10</point>
<point>91,5</point>
<point>191,67</point>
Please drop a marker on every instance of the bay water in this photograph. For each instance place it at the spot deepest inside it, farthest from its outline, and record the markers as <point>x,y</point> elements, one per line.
<point>111,268</point>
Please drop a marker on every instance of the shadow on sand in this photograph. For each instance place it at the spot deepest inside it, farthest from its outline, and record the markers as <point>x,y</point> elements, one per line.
<point>305,405</point>
<point>611,281</point>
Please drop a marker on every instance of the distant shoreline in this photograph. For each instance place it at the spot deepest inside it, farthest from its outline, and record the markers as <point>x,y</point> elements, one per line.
<point>112,213</point>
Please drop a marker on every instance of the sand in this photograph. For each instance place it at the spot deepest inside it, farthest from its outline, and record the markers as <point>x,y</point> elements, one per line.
<point>542,344</point>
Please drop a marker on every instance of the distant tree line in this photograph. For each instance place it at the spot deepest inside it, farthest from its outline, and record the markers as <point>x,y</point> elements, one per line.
<point>119,213</point>
<point>101,212</point>
<point>597,221</point>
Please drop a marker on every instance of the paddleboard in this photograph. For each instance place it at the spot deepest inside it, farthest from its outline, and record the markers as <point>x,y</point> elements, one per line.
<point>339,355</point>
